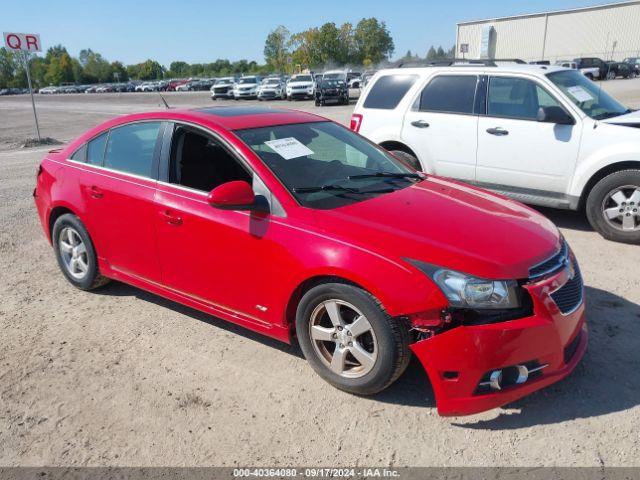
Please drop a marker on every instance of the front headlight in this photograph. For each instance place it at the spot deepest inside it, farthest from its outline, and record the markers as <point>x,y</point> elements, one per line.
<point>467,291</point>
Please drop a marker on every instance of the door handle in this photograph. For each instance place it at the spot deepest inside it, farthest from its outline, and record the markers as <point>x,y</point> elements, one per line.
<point>500,132</point>
<point>171,218</point>
<point>95,192</point>
<point>420,124</point>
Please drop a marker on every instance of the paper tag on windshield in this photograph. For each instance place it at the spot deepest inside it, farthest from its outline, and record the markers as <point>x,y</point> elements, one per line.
<point>289,148</point>
<point>579,93</point>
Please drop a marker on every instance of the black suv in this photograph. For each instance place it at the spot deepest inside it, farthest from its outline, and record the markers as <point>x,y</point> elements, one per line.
<point>332,90</point>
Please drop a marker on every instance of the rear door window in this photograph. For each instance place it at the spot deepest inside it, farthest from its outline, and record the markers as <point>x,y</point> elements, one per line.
<point>131,148</point>
<point>388,90</point>
<point>449,94</point>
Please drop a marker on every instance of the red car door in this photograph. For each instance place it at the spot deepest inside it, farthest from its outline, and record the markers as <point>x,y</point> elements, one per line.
<point>223,258</point>
<point>119,184</point>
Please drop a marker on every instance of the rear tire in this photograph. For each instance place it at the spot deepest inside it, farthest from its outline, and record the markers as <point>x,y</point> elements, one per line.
<point>75,253</point>
<point>613,206</point>
<point>349,340</point>
<point>407,158</point>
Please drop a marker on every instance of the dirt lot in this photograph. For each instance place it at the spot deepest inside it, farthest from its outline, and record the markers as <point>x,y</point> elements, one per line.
<point>122,377</point>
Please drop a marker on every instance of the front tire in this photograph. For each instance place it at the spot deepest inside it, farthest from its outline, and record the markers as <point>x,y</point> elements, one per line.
<point>613,206</point>
<point>75,253</point>
<point>349,340</point>
<point>407,158</point>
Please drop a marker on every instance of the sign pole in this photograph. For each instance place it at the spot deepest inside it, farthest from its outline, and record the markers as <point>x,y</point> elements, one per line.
<point>33,102</point>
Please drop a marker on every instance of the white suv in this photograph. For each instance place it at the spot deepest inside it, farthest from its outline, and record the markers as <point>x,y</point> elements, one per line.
<point>544,135</point>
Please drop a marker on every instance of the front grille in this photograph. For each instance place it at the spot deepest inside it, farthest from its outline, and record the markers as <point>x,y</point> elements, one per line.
<point>569,297</point>
<point>551,265</point>
<point>570,350</point>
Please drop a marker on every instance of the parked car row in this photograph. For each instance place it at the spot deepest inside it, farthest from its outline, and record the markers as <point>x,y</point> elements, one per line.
<point>329,87</point>
<point>13,91</point>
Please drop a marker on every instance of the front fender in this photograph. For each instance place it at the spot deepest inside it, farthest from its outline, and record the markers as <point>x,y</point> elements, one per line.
<point>595,158</point>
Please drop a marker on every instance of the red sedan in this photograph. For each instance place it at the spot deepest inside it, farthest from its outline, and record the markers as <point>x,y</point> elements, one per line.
<point>294,226</point>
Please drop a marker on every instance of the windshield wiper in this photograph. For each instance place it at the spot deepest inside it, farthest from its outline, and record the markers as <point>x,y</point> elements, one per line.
<point>387,175</point>
<point>339,188</point>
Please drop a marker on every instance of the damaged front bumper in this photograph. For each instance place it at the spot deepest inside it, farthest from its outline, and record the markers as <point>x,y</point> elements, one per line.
<point>480,367</point>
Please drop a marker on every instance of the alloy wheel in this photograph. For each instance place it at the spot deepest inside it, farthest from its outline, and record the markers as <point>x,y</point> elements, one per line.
<point>73,252</point>
<point>343,338</point>
<point>621,208</point>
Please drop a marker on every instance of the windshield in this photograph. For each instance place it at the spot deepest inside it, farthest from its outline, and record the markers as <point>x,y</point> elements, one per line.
<point>224,81</point>
<point>335,76</point>
<point>248,80</point>
<point>589,97</point>
<point>302,78</point>
<point>325,165</point>
<point>332,82</point>
<point>273,81</point>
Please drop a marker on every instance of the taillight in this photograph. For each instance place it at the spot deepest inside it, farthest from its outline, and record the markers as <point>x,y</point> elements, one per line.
<point>356,122</point>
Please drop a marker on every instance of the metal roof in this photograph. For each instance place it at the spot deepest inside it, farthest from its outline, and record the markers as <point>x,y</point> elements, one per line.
<point>553,12</point>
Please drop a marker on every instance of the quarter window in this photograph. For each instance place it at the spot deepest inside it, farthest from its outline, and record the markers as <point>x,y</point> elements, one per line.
<point>449,94</point>
<point>95,149</point>
<point>517,98</point>
<point>130,148</point>
<point>80,155</point>
<point>388,90</point>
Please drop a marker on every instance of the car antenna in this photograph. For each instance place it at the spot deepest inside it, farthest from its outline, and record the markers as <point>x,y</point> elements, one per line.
<point>164,101</point>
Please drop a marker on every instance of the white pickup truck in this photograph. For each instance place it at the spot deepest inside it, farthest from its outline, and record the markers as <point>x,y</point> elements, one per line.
<point>592,73</point>
<point>541,134</point>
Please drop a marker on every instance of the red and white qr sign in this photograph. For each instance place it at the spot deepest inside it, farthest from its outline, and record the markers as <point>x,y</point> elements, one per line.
<point>28,42</point>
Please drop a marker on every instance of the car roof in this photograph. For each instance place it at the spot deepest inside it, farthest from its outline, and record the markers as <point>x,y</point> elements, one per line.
<point>538,70</point>
<point>227,118</point>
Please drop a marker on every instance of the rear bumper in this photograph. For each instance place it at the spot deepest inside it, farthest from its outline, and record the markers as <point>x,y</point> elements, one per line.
<point>456,361</point>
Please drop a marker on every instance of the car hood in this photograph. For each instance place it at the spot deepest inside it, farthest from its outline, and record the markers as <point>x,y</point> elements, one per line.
<point>246,85</point>
<point>300,84</point>
<point>449,224</point>
<point>632,118</point>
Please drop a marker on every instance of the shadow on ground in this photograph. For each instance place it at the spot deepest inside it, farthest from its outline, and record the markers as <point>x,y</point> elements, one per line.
<point>574,220</point>
<point>606,381</point>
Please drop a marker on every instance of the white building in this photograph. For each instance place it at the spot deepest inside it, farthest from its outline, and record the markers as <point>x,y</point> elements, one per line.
<point>611,32</point>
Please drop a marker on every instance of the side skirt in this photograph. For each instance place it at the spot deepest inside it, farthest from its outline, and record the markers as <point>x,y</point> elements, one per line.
<point>278,332</point>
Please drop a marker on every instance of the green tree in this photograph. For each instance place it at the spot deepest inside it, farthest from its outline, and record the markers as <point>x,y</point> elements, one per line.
<point>95,68</point>
<point>440,53</point>
<point>148,70</point>
<point>432,54</point>
<point>7,67</point>
<point>305,48</point>
<point>179,69</point>
<point>276,48</point>
<point>373,40</point>
<point>329,47</point>
<point>119,72</point>
<point>59,70</point>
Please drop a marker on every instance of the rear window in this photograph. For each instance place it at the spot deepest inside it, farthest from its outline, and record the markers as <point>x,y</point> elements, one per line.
<point>388,90</point>
<point>449,94</point>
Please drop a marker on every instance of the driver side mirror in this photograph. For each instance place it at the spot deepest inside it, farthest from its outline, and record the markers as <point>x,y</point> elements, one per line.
<point>554,114</point>
<point>236,195</point>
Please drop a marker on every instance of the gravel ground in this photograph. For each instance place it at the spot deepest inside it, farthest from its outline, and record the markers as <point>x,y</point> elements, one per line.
<point>123,377</point>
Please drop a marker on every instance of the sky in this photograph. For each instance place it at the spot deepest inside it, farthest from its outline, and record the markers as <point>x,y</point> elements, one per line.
<point>198,31</point>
